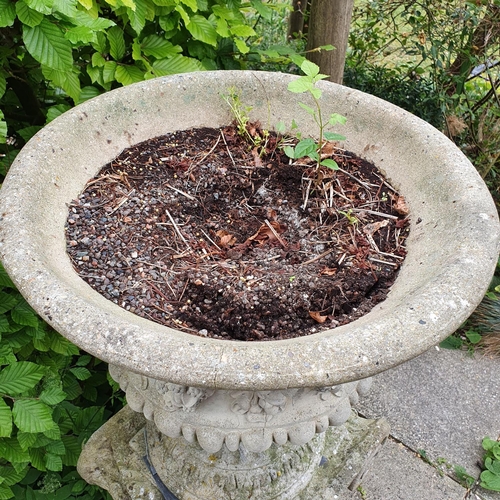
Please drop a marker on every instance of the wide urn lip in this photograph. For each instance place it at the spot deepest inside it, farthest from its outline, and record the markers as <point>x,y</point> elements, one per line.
<point>452,248</point>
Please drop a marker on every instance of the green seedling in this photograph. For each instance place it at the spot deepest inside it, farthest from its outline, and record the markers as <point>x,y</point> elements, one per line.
<point>490,478</point>
<point>308,147</point>
<point>353,220</point>
<point>241,114</point>
<point>465,479</point>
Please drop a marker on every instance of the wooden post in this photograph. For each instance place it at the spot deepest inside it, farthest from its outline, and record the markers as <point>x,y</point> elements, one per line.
<point>329,23</point>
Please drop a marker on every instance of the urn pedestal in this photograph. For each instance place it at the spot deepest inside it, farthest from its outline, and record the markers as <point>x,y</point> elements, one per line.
<point>210,406</point>
<point>197,444</point>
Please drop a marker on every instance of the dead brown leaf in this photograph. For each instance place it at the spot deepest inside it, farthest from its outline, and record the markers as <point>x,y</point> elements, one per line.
<point>328,271</point>
<point>265,233</point>
<point>372,228</point>
<point>316,316</point>
<point>400,206</point>
<point>225,239</point>
<point>257,160</point>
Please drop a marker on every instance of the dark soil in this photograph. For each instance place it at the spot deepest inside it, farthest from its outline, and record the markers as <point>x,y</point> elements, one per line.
<point>197,231</point>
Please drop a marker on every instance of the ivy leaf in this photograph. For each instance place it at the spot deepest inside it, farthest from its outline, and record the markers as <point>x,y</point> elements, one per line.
<point>126,75</point>
<point>5,419</point>
<point>23,314</point>
<point>202,30</point>
<point>46,43</point>
<point>31,415</point>
<point>176,64</point>
<point>7,13</point>
<point>116,43</point>
<point>20,377</point>
<point>26,15</point>
<point>157,46</point>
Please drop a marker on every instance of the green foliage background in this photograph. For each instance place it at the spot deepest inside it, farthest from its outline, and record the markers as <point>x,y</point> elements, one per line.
<point>52,398</point>
<point>57,53</point>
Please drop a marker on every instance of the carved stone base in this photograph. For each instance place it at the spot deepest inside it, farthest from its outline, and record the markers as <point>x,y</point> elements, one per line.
<point>327,467</point>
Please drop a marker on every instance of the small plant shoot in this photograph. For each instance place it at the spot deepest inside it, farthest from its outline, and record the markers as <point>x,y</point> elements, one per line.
<point>309,147</point>
<point>490,477</point>
<point>241,115</point>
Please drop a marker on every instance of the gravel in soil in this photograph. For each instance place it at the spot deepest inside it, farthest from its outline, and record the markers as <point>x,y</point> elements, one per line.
<point>200,232</point>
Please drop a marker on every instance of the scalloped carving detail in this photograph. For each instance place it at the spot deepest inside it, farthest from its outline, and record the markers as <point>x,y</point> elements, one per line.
<point>256,419</point>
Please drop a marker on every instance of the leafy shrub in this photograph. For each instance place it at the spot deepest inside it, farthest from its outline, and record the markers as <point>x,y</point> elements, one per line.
<point>56,53</point>
<point>412,92</point>
<point>448,48</point>
<point>52,398</point>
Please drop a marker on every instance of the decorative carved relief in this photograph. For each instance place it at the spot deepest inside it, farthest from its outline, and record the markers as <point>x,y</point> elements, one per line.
<point>218,418</point>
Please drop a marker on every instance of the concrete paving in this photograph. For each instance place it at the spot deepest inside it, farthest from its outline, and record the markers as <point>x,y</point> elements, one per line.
<point>440,404</point>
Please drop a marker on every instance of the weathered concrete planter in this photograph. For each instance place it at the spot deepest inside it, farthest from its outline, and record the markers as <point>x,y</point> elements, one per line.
<point>231,419</point>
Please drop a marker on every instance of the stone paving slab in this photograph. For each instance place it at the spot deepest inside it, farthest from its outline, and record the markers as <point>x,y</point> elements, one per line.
<point>399,474</point>
<point>443,402</point>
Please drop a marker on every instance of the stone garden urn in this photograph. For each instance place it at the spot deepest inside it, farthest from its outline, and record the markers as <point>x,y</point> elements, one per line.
<point>216,419</point>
